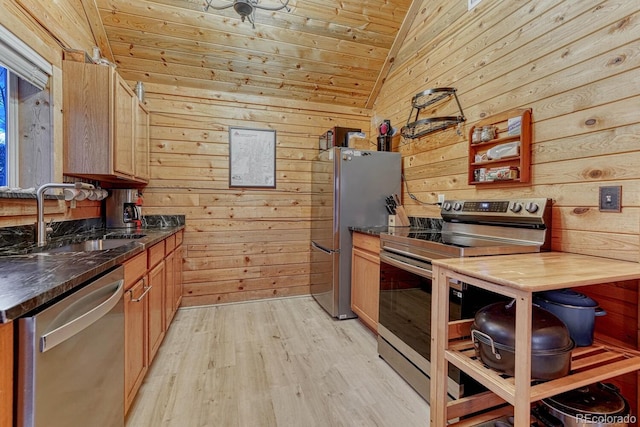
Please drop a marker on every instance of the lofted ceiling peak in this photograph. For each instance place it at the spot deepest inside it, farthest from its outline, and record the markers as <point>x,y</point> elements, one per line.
<point>335,52</point>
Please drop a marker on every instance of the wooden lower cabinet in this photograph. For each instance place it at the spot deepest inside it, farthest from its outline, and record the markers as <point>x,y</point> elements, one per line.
<point>173,276</point>
<point>178,286</point>
<point>365,278</point>
<point>170,283</point>
<point>136,308</point>
<point>156,308</point>
<point>153,289</point>
<point>6,374</point>
<point>136,313</point>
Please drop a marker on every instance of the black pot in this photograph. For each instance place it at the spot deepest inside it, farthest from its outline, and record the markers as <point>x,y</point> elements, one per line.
<point>493,333</point>
<point>595,405</point>
<point>576,310</point>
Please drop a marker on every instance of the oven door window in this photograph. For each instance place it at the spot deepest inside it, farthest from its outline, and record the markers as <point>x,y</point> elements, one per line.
<point>405,307</point>
<point>405,303</point>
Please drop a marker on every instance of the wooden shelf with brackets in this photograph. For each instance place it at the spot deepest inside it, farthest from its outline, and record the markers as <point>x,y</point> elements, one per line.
<point>512,133</point>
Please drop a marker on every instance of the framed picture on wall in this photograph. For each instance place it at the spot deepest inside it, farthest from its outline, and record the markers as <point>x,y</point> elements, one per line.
<point>252,158</point>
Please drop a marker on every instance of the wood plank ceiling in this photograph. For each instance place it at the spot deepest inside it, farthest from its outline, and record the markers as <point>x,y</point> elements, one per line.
<point>329,51</point>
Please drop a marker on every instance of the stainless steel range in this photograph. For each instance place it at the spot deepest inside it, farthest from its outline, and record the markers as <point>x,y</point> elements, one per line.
<point>470,228</point>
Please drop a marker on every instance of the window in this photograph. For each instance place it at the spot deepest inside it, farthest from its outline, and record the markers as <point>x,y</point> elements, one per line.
<point>3,126</point>
<point>26,134</point>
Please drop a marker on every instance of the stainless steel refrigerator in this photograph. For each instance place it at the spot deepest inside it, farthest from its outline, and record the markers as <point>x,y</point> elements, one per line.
<point>348,189</point>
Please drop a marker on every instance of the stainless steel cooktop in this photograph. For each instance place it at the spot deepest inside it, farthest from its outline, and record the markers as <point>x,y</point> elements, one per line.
<point>478,227</point>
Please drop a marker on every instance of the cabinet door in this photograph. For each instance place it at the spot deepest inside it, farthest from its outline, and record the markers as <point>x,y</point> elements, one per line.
<point>156,309</point>
<point>141,157</point>
<point>6,374</point>
<point>88,114</point>
<point>169,303</point>
<point>136,306</point>
<point>178,286</point>
<point>123,143</point>
<point>365,286</point>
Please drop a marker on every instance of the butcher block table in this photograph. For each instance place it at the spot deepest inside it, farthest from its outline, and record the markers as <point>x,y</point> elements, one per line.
<point>516,276</point>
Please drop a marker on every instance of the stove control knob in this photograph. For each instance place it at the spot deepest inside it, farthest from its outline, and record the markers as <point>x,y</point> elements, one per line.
<point>446,206</point>
<point>531,207</point>
<point>516,207</point>
<point>457,206</point>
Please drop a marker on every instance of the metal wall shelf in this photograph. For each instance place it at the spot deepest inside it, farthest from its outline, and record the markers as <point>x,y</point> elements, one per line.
<point>420,127</point>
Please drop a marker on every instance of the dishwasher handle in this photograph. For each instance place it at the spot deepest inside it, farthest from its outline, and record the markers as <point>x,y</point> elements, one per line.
<point>79,323</point>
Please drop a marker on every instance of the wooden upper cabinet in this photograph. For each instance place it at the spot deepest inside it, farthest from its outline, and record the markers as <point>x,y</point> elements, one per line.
<point>103,139</point>
<point>124,114</point>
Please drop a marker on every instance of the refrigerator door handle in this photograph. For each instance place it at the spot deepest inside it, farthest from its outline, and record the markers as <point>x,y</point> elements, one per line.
<point>314,245</point>
<point>82,321</point>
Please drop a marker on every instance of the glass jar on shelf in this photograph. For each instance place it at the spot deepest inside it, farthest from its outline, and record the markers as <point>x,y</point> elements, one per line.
<point>476,136</point>
<point>488,133</point>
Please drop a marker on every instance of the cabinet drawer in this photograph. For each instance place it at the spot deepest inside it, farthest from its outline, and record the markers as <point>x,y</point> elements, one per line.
<point>368,242</point>
<point>170,244</point>
<point>156,254</point>
<point>134,269</point>
<point>178,238</point>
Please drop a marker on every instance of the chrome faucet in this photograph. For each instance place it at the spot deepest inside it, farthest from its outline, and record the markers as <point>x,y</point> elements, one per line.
<point>41,228</point>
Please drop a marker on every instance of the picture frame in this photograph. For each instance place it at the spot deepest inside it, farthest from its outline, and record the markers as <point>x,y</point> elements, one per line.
<point>252,158</point>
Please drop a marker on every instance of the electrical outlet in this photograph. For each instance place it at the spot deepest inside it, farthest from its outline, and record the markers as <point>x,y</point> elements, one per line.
<point>440,198</point>
<point>611,199</point>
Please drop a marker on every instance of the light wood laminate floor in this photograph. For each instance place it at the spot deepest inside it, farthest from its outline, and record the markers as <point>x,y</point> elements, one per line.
<point>281,362</point>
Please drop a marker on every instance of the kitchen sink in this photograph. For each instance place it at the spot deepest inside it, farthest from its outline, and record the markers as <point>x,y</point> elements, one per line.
<point>91,245</point>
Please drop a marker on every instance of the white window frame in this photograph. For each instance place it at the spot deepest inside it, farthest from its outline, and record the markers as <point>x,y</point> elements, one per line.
<point>12,139</point>
<point>21,62</point>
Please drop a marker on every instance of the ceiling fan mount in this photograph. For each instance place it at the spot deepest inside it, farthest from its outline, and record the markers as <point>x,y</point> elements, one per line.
<point>247,8</point>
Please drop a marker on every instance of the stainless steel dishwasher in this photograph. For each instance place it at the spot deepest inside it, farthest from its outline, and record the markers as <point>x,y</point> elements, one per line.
<point>71,358</point>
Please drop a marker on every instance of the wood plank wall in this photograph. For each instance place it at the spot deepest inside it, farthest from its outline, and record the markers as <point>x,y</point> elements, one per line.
<point>576,64</point>
<point>47,27</point>
<point>241,244</point>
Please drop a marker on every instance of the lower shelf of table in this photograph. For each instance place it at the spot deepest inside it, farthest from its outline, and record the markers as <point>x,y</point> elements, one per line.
<point>588,365</point>
<point>485,419</point>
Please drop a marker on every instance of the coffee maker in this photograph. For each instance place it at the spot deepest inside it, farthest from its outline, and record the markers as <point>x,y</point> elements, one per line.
<point>123,208</point>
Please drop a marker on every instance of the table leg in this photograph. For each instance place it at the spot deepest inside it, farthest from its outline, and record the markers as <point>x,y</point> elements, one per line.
<point>439,340</point>
<point>523,360</point>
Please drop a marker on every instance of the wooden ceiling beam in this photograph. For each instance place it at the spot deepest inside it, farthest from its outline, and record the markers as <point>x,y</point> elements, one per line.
<point>395,48</point>
<point>97,28</point>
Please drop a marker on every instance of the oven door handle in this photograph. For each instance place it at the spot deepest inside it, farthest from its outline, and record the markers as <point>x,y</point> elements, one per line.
<point>404,265</point>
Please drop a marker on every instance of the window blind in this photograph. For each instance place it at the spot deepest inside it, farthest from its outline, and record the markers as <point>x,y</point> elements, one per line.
<point>23,60</point>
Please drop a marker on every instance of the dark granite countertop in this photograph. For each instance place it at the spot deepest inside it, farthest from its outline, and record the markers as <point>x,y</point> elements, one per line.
<point>30,280</point>
<point>376,230</point>
<point>417,224</point>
